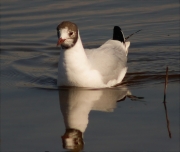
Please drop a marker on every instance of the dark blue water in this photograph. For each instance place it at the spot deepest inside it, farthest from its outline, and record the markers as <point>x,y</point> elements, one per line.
<point>31,109</point>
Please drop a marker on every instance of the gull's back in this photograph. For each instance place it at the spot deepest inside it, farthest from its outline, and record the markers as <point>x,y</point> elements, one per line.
<point>110,58</point>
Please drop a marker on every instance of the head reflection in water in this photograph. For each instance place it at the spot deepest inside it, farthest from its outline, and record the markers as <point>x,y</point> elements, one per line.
<point>73,140</point>
<point>76,104</point>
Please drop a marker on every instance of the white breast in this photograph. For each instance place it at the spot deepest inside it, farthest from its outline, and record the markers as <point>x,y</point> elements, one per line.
<point>96,68</point>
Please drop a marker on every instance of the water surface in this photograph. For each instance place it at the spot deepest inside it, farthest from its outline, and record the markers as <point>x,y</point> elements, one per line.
<point>31,111</point>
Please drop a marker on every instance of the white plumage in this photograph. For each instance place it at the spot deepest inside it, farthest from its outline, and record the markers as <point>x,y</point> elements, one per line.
<point>95,68</point>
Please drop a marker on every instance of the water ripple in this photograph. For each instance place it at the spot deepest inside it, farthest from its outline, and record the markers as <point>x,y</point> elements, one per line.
<point>28,38</point>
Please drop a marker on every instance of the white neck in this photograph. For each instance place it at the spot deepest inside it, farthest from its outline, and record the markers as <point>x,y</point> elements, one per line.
<point>72,62</point>
<point>75,54</point>
<point>74,68</point>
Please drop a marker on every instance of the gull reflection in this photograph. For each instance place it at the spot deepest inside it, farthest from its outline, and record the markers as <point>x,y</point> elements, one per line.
<point>76,104</point>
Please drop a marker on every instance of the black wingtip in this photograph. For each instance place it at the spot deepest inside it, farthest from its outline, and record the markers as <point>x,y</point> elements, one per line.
<point>118,34</point>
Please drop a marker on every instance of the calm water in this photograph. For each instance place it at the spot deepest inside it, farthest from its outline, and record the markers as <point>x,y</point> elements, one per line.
<point>35,113</point>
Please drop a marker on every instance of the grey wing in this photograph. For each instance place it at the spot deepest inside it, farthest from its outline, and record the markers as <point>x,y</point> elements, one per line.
<point>109,59</point>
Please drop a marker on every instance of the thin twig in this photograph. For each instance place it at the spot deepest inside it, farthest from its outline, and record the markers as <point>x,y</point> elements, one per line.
<point>165,86</point>
<point>132,34</point>
<point>167,120</point>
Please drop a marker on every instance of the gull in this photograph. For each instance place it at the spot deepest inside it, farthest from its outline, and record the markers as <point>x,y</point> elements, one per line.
<point>100,67</point>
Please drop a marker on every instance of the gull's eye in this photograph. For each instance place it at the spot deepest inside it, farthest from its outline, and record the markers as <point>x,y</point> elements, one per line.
<point>70,33</point>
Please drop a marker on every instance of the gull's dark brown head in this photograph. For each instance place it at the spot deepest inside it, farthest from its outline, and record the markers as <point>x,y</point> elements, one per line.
<point>67,33</point>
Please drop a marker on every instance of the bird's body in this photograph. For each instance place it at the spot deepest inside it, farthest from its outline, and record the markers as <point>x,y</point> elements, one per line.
<point>95,68</point>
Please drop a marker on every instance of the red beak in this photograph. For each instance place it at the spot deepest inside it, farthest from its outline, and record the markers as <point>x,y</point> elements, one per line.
<point>60,41</point>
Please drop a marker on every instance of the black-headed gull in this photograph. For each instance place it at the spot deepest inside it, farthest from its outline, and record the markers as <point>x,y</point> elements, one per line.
<point>95,68</point>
